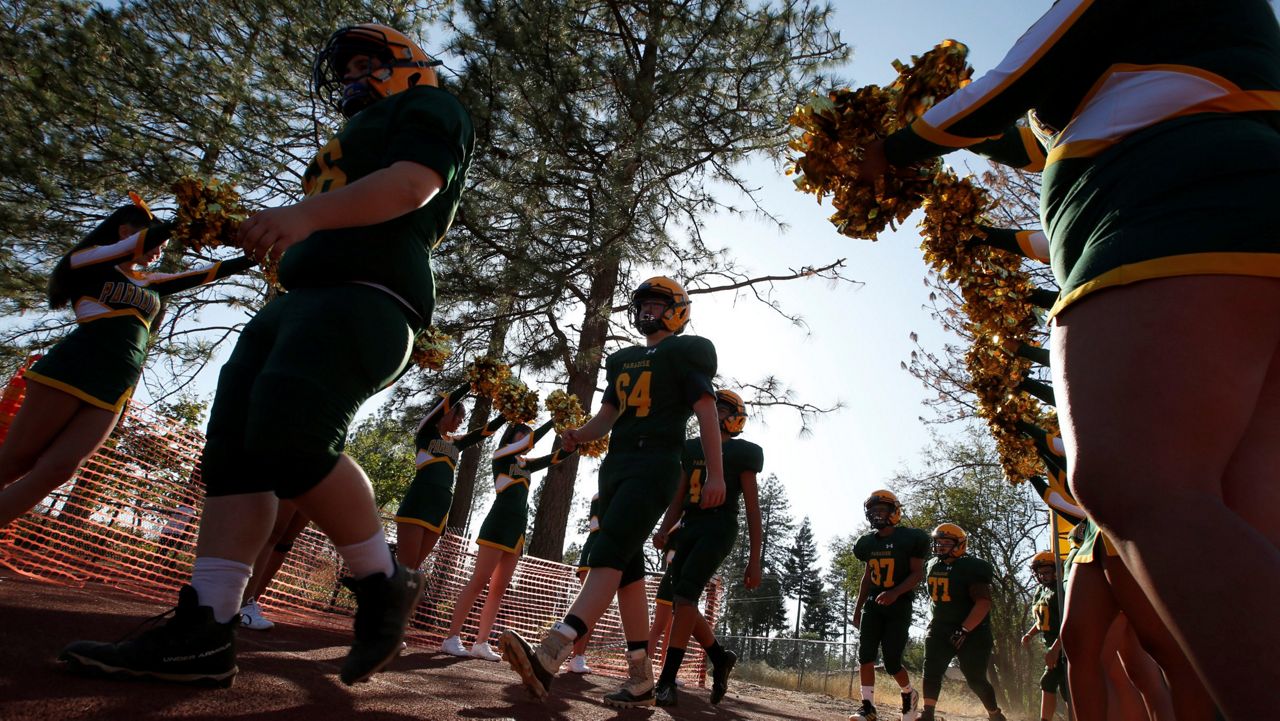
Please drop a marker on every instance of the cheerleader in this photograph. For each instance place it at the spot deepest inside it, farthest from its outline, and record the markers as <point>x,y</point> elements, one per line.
<point>501,537</point>
<point>422,514</point>
<point>80,386</point>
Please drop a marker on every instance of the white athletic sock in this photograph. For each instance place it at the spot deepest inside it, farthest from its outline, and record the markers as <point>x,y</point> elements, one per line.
<point>868,693</point>
<point>369,557</point>
<point>220,584</point>
<point>565,630</point>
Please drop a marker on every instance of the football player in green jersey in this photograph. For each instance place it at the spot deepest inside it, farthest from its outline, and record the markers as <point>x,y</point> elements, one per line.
<point>894,556</point>
<point>706,538</point>
<point>959,625</point>
<point>355,258</point>
<point>1047,610</point>
<point>650,393</point>
<point>79,387</point>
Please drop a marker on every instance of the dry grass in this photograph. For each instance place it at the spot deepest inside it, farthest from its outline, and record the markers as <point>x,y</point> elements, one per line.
<point>956,698</point>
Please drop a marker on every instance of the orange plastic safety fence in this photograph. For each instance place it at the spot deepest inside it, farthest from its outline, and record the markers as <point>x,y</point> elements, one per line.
<point>129,518</point>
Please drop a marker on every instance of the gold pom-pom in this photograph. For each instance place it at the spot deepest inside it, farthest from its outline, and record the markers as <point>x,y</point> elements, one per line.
<point>209,213</point>
<point>431,348</point>
<point>566,412</point>
<point>836,129</point>
<point>486,374</point>
<point>515,401</point>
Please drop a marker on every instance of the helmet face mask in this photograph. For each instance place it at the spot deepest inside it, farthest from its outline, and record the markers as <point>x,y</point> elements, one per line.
<point>882,510</point>
<point>1044,567</point>
<point>396,64</point>
<point>732,411</point>
<point>1045,575</point>
<point>674,315</point>
<point>878,515</point>
<point>949,541</point>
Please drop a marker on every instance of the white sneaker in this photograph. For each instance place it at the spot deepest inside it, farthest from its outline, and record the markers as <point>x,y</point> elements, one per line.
<point>680,682</point>
<point>578,664</point>
<point>482,650</point>
<point>251,617</point>
<point>453,647</point>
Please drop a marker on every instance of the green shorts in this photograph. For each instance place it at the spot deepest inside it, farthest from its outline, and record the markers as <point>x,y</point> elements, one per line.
<point>973,656</point>
<point>885,628</point>
<point>427,501</point>
<point>504,526</point>
<point>299,372</point>
<point>99,362</point>
<point>635,489</point>
<point>701,546</point>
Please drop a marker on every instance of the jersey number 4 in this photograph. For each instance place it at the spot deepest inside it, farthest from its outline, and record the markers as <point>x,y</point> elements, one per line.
<point>695,486</point>
<point>634,396</point>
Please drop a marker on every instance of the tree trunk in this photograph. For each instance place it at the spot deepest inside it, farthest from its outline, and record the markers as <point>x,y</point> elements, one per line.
<point>547,539</point>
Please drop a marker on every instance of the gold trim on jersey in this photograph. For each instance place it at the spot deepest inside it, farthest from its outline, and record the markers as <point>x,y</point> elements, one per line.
<point>502,482</point>
<point>1031,143</point>
<point>493,544</point>
<point>82,395</point>
<point>419,522</point>
<point>436,459</point>
<point>1262,265</point>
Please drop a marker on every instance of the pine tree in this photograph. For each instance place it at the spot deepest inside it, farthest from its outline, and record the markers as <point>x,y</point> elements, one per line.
<point>800,578</point>
<point>761,611</point>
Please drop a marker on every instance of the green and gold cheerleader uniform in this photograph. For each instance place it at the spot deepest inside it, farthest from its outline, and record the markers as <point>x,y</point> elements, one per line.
<point>1093,539</point>
<point>888,559</point>
<point>505,524</point>
<point>1048,613</point>
<point>344,330</point>
<point>1163,124</point>
<point>426,503</point>
<point>950,603</point>
<point>100,361</point>
<point>706,535</point>
<point>654,389</point>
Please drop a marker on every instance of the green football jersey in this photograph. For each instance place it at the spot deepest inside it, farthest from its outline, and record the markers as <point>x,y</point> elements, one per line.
<point>888,558</point>
<point>655,389</point>
<point>949,585</point>
<point>424,125</point>
<point>739,457</point>
<point>1048,613</point>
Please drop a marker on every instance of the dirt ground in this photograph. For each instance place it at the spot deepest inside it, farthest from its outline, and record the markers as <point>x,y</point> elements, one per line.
<point>290,673</point>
